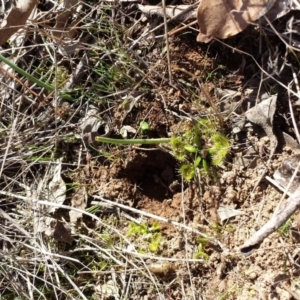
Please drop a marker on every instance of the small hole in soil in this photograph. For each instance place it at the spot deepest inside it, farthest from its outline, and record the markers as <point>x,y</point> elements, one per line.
<point>152,172</point>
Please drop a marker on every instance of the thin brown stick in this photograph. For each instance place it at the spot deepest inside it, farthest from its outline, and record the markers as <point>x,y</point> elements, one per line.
<point>281,215</point>
<point>176,30</point>
<point>167,42</point>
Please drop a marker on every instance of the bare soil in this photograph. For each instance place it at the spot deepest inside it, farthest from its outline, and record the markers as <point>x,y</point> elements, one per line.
<point>148,179</point>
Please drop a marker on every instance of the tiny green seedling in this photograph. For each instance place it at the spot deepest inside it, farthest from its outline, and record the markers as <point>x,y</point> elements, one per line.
<point>201,254</point>
<point>144,126</point>
<point>149,238</point>
<point>284,229</point>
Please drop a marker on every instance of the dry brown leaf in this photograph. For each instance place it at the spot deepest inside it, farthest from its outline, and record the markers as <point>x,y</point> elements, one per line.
<point>108,290</point>
<point>56,192</point>
<point>62,18</point>
<point>280,9</point>
<point>16,19</point>
<point>225,18</point>
<point>79,200</point>
<point>62,233</point>
<point>226,212</point>
<point>43,224</point>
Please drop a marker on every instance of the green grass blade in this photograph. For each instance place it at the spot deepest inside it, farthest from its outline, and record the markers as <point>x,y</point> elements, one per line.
<point>48,87</point>
<point>132,141</point>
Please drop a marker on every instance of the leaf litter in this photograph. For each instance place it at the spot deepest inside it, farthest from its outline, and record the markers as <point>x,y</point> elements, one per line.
<point>51,155</point>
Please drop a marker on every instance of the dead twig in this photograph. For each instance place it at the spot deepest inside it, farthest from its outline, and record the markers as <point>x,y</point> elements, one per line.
<point>167,42</point>
<point>280,216</point>
<point>176,30</point>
